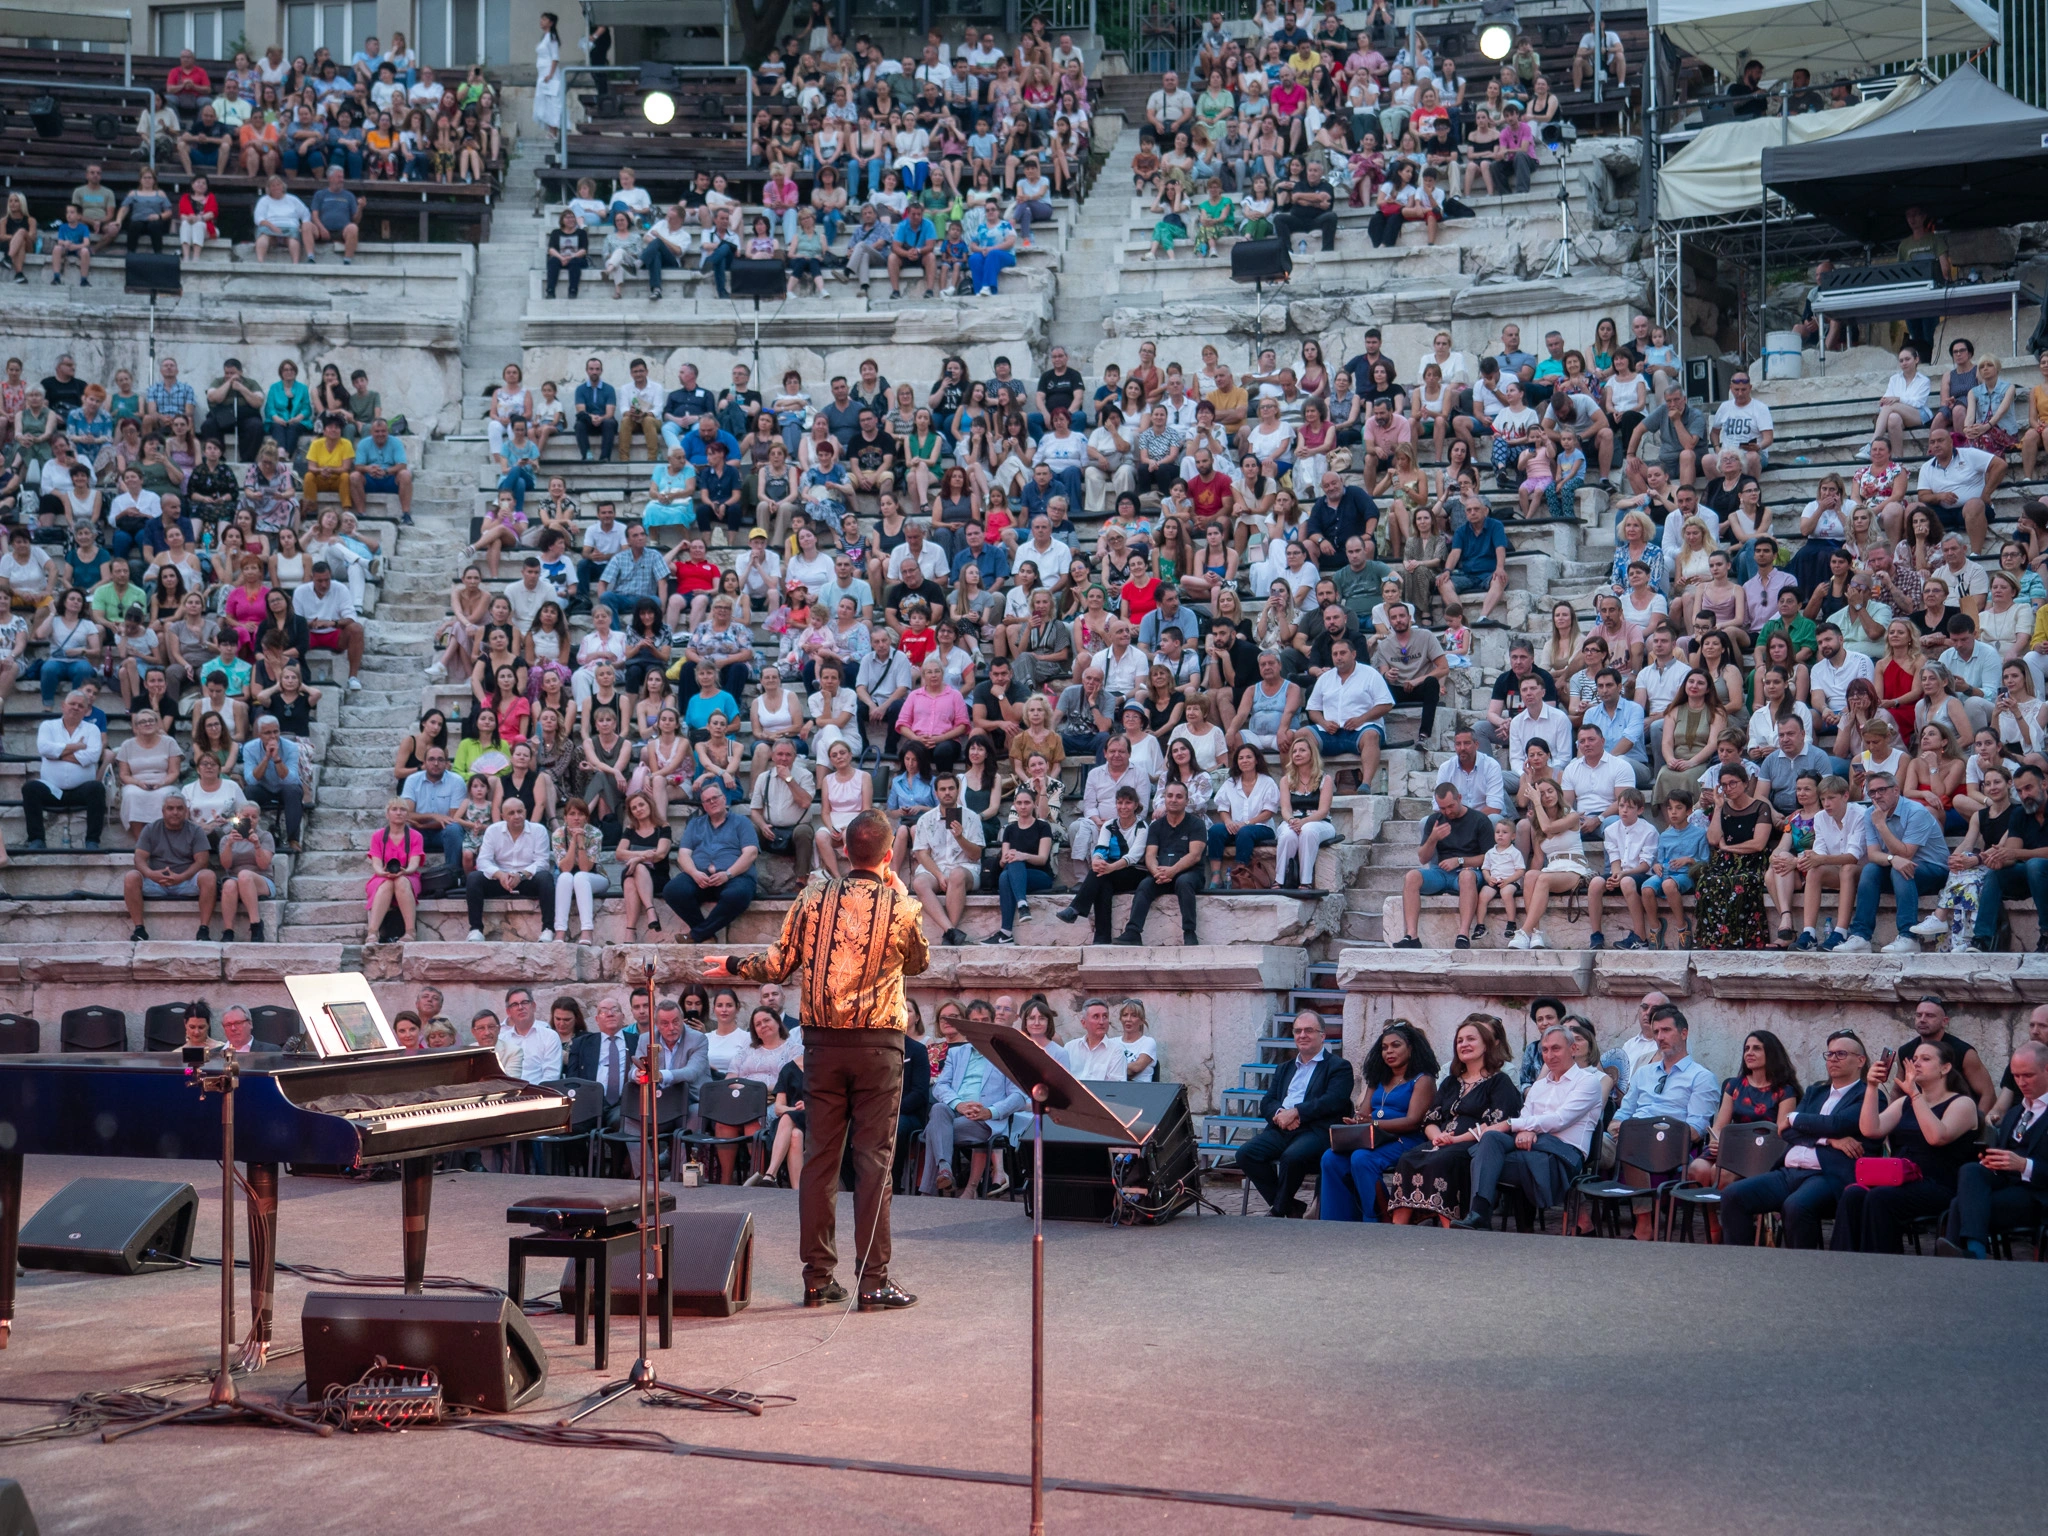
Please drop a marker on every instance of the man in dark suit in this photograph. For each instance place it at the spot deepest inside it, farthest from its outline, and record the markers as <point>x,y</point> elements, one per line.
<point>605,1057</point>
<point>1819,1163</point>
<point>2008,1184</point>
<point>682,1063</point>
<point>1310,1094</point>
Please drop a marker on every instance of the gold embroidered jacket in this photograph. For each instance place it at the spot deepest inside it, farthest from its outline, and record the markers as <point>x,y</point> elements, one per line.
<point>855,938</point>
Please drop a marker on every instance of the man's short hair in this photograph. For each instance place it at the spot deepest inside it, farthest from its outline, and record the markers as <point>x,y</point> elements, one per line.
<point>1672,1012</point>
<point>868,837</point>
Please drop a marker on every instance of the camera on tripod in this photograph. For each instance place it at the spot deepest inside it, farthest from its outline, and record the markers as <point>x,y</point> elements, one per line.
<point>1560,136</point>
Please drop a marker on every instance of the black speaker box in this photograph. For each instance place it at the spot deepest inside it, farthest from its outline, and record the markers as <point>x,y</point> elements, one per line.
<point>1079,1184</point>
<point>150,273</point>
<point>479,1343</point>
<point>16,1518</point>
<point>112,1227</point>
<point>750,279</point>
<point>714,1266</point>
<point>1261,261</point>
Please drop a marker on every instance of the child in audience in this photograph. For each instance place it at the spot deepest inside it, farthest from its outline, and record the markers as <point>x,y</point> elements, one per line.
<point>1457,638</point>
<point>1631,849</point>
<point>1500,874</point>
<point>71,237</point>
<point>1681,853</point>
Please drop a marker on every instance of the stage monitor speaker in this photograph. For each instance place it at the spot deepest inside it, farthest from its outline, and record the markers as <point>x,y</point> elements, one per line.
<point>1079,1177</point>
<point>750,279</point>
<point>478,1342</point>
<point>1261,261</point>
<point>16,1518</point>
<point>149,273</point>
<point>112,1227</point>
<point>47,116</point>
<point>1706,379</point>
<point>713,1253</point>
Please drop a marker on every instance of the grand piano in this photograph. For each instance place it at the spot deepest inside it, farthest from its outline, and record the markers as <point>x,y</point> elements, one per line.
<point>368,1107</point>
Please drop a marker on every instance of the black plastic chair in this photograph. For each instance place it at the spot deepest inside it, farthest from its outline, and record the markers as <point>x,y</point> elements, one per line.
<point>1746,1151</point>
<point>20,1035</point>
<point>96,1029</point>
<point>163,1026</point>
<point>1649,1156</point>
<point>731,1101</point>
<point>273,1025</point>
<point>577,1146</point>
<point>671,1116</point>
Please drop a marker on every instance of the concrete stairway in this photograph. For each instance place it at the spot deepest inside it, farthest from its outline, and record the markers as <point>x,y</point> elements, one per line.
<point>1088,277</point>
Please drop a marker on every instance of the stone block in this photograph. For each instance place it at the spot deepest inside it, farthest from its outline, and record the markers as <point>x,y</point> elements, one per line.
<point>257,963</point>
<point>1491,973</point>
<point>117,964</point>
<point>1631,973</point>
<point>504,963</point>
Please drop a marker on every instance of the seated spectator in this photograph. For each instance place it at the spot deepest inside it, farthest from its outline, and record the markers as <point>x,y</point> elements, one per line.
<point>1539,1150</point>
<point>2003,1189</point>
<point>1905,850</point>
<point>1310,1092</point>
<point>397,853</point>
<point>281,218</point>
<point>1094,1057</point>
<point>1820,1157</point>
<point>1455,841</point>
<point>1672,1084</point>
<point>333,217</point>
<point>1924,1112</point>
<point>947,849</point>
<point>715,859</point>
<point>1766,1092</point>
<point>1176,844</point>
<point>273,771</point>
<point>1400,1078</point>
<point>244,851</point>
<point>69,749</point>
<point>171,859</point>
<point>513,858</point>
<point>971,1101</point>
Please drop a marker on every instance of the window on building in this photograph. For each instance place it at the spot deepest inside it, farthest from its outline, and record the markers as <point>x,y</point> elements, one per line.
<point>339,26</point>
<point>455,34</point>
<point>208,30</point>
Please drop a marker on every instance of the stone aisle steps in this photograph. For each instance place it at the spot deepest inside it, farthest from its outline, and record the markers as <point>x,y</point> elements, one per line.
<point>1088,275</point>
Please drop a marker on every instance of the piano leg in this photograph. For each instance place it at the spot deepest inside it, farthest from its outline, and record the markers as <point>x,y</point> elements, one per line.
<point>262,1263</point>
<point>419,1198</point>
<point>10,1237</point>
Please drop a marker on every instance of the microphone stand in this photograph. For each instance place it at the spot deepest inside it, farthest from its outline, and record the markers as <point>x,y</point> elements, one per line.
<point>642,1378</point>
<point>224,1402</point>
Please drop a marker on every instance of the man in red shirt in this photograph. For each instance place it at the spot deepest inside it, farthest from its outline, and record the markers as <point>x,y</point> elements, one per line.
<point>187,85</point>
<point>696,579</point>
<point>1209,490</point>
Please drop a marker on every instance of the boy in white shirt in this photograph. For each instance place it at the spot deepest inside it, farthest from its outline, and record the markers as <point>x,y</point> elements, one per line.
<point>1840,834</point>
<point>1500,874</point>
<point>1631,848</point>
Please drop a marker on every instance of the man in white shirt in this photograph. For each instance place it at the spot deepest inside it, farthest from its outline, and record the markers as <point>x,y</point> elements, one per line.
<point>1123,666</point>
<point>1169,109</point>
<point>946,853</point>
<point>514,859</point>
<point>528,593</point>
<point>1830,676</point>
<point>1957,484</point>
<point>1347,710</point>
<point>1968,586</point>
<point>601,540</point>
<point>280,216</point>
<point>68,749</point>
<point>1046,552</point>
<point>760,571</point>
<point>1536,722</point>
<point>1094,1058</point>
<point>1540,1151</point>
<point>1098,797</point>
<point>1742,426</point>
<point>425,93</point>
<point>1476,777</point>
<point>1594,777</point>
<point>331,622</point>
<point>640,410</point>
<point>1615,60</point>
<point>917,550</point>
<point>527,1049</point>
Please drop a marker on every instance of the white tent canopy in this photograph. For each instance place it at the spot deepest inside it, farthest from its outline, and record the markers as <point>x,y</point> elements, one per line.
<point>1830,37</point>
<point>1721,170</point>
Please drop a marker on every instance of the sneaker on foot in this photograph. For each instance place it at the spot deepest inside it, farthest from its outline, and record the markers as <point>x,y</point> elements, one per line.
<point>1462,941</point>
<point>476,935</point>
<point>1537,941</point>
<point>1930,927</point>
<point>203,936</point>
<point>436,672</point>
<point>1596,940</point>
<point>547,935</point>
<point>1000,936</point>
<point>1409,942</point>
<point>1863,454</point>
<point>1904,944</point>
<point>355,685</point>
<point>1854,944</point>
<point>1067,915</point>
<point>139,936</point>
<point>255,933</point>
<point>1519,941</point>
<point>1806,940</point>
<point>1024,908</point>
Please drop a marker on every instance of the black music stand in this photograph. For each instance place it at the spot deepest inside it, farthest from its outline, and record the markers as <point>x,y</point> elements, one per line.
<point>224,1402</point>
<point>642,1378</point>
<point>1057,1092</point>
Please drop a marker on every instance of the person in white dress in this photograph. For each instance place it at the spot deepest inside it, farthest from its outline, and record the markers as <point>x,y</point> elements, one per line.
<point>549,89</point>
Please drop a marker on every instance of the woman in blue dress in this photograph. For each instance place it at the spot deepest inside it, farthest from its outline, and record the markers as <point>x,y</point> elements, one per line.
<point>1400,1078</point>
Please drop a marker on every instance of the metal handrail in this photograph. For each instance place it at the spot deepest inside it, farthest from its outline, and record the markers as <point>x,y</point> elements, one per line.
<point>593,71</point>
<point>64,88</point>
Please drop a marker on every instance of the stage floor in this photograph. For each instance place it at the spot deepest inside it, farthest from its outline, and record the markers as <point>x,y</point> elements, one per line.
<point>1515,1382</point>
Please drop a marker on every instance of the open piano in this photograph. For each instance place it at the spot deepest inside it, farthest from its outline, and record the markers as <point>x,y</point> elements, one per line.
<point>367,1107</point>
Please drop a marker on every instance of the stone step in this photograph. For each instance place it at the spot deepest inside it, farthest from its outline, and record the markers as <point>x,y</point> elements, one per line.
<point>103,924</point>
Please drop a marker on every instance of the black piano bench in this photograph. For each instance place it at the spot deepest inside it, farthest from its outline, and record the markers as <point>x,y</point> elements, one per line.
<point>590,1231</point>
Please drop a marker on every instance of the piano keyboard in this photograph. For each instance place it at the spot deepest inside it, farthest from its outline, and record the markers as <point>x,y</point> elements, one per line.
<point>442,1112</point>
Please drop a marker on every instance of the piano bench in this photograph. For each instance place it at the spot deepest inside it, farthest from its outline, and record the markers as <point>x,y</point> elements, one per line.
<point>584,1216</point>
<point>591,1257</point>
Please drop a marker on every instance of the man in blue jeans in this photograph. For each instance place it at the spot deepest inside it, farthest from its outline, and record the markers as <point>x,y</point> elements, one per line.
<point>1347,709</point>
<point>1907,851</point>
<point>2020,865</point>
<point>716,860</point>
<point>436,793</point>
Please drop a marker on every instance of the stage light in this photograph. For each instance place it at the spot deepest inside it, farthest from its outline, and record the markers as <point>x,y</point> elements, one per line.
<point>47,116</point>
<point>659,108</point>
<point>1496,42</point>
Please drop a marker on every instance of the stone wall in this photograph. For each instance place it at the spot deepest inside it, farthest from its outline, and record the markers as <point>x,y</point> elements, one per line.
<point>1801,998</point>
<point>1208,1005</point>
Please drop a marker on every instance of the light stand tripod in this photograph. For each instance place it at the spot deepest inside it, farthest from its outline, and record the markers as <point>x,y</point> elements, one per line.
<point>1560,263</point>
<point>224,1402</point>
<point>641,1378</point>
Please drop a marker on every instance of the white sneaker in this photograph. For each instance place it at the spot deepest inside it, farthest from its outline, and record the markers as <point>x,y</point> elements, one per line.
<point>1863,454</point>
<point>476,935</point>
<point>1855,944</point>
<point>1904,944</point>
<point>1537,941</point>
<point>436,673</point>
<point>355,685</point>
<point>1930,927</point>
<point>547,935</point>
<point>1519,941</point>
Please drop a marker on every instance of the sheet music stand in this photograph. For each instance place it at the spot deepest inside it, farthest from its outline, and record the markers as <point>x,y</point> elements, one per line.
<point>1057,1092</point>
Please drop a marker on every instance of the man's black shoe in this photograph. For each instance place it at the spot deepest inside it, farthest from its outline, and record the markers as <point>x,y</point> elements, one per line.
<point>1128,939</point>
<point>1478,1219</point>
<point>831,1293</point>
<point>1407,943</point>
<point>1067,915</point>
<point>889,1298</point>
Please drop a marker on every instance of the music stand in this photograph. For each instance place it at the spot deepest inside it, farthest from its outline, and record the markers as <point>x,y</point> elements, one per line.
<point>1057,1092</point>
<point>642,1378</point>
<point>224,1402</point>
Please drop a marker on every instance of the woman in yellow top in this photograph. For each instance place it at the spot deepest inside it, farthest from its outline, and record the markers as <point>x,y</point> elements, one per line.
<point>2037,423</point>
